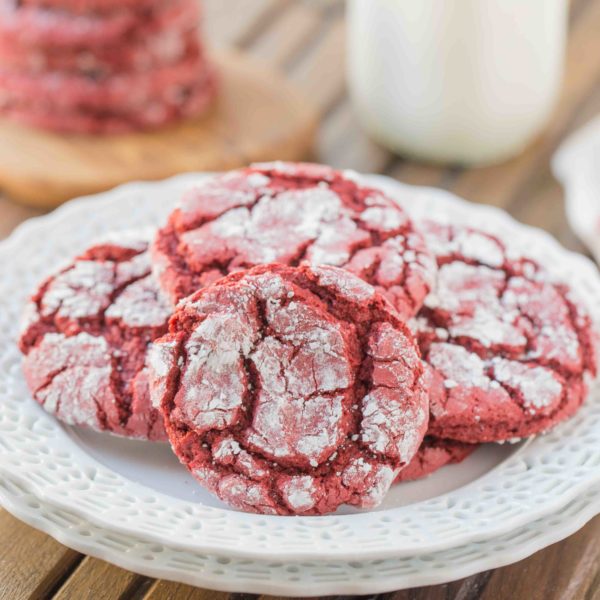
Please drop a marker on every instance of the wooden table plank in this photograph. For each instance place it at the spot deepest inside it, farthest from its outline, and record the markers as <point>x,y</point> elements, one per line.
<point>318,73</point>
<point>234,22</point>
<point>575,9</point>
<point>32,564</point>
<point>287,35</point>
<point>569,570</point>
<point>343,144</point>
<point>95,579</point>
<point>463,589</point>
<point>161,590</point>
<point>418,174</point>
<point>303,597</point>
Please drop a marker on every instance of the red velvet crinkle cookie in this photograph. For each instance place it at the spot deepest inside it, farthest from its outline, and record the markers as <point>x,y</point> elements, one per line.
<point>86,336</point>
<point>94,6</point>
<point>40,27</point>
<point>137,53</point>
<point>188,103</point>
<point>291,213</point>
<point>123,92</point>
<point>510,349</point>
<point>434,454</point>
<point>291,390</point>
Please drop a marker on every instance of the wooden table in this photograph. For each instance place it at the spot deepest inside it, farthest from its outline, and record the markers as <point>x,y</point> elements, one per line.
<point>305,39</point>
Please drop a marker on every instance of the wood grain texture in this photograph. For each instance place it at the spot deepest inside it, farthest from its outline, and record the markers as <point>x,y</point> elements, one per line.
<point>31,563</point>
<point>179,591</point>
<point>287,35</point>
<point>305,38</point>
<point>234,22</point>
<point>258,116</point>
<point>319,74</point>
<point>344,145</point>
<point>569,570</point>
<point>98,580</point>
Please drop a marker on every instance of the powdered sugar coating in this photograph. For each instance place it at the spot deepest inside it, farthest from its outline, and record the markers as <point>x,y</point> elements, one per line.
<point>509,348</point>
<point>292,213</point>
<point>141,304</point>
<point>299,492</point>
<point>62,295</point>
<point>72,378</point>
<point>291,390</point>
<point>86,335</point>
<point>388,426</point>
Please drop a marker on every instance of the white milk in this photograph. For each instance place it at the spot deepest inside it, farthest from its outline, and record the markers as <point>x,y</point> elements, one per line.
<point>464,81</point>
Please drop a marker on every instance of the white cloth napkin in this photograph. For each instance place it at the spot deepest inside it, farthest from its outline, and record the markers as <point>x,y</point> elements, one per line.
<point>576,165</point>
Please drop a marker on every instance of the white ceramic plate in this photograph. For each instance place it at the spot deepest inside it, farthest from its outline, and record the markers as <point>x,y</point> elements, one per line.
<point>145,493</point>
<point>307,578</point>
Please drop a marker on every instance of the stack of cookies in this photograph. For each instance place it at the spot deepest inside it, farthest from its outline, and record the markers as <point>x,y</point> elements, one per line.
<point>102,66</point>
<point>302,343</point>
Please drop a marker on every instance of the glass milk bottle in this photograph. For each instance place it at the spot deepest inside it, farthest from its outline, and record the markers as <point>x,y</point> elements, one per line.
<point>460,81</point>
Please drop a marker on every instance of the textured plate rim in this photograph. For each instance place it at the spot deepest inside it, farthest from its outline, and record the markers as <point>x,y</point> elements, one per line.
<point>547,533</point>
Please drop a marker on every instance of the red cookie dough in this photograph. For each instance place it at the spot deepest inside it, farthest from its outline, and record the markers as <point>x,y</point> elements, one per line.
<point>291,390</point>
<point>131,68</point>
<point>188,103</point>
<point>510,349</point>
<point>86,335</point>
<point>432,456</point>
<point>94,6</point>
<point>290,213</point>
<point>124,92</point>
<point>138,53</point>
<point>39,27</point>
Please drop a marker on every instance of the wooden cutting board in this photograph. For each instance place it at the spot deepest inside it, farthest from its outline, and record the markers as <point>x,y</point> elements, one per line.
<point>258,116</point>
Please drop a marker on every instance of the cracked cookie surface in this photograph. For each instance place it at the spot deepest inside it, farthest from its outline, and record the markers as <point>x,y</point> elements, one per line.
<point>292,213</point>
<point>86,335</point>
<point>510,349</point>
<point>291,390</point>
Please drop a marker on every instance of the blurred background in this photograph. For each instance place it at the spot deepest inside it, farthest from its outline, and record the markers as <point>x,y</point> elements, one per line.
<point>305,40</point>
